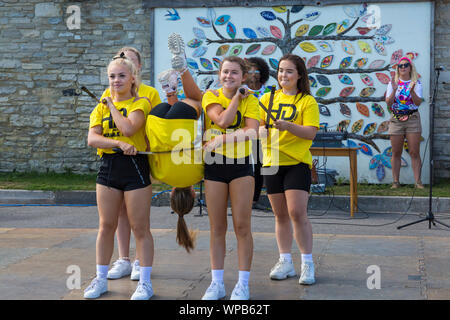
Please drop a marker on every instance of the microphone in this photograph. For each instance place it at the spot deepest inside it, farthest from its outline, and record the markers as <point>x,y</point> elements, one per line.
<point>440,68</point>
<point>241,90</point>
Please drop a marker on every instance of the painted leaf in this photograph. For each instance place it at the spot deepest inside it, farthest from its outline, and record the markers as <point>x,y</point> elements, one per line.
<point>362,108</point>
<point>364,46</point>
<point>383,127</point>
<point>200,51</point>
<point>367,92</point>
<point>377,109</point>
<point>343,125</point>
<point>322,92</point>
<point>370,128</point>
<point>236,50</point>
<point>326,61</point>
<point>366,149</point>
<point>357,125</point>
<point>206,64</point>
<point>323,80</point>
<point>276,32</point>
<point>204,22</point>
<point>325,46</point>
<point>312,62</point>
<point>323,109</point>
<point>268,15</point>
<point>301,30</point>
<point>222,50</point>
<point>345,79</point>
<point>268,50</point>
<point>231,30</point>
<point>345,62</point>
<point>366,79</point>
<point>308,47</point>
<point>345,110</point>
<point>346,91</point>
<point>222,20</point>
<point>253,49</point>
<point>194,43</point>
<point>315,30</point>
<point>312,82</point>
<point>329,28</point>
<point>376,64</point>
<point>380,172</point>
<point>249,33</point>
<point>273,63</point>
<point>263,32</point>
<point>199,33</point>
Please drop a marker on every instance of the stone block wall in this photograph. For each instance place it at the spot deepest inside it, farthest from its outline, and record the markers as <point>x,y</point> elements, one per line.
<point>44,128</point>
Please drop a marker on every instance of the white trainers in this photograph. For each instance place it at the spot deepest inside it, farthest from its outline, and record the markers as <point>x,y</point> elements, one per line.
<point>168,80</point>
<point>215,291</point>
<point>240,292</point>
<point>175,44</point>
<point>96,288</point>
<point>144,291</point>
<point>307,273</point>
<point>282,270</point>
<point>135,272</point>
<point>120,268</point>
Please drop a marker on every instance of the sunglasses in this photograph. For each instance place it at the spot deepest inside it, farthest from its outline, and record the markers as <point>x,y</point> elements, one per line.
<point>404,65</point>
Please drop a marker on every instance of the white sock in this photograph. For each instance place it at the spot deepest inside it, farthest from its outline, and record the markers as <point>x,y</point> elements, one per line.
<point>217,275</point>
<point>145,274</point>
<point>102,271</point>
<point>286,256</point>
<point>307,258</point>
<point>244,276</point>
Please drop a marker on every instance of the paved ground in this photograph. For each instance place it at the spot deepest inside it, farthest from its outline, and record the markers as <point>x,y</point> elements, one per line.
<point>39,243</point>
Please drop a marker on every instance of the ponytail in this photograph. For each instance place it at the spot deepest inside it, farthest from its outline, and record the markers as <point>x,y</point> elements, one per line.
<point>182,202</point>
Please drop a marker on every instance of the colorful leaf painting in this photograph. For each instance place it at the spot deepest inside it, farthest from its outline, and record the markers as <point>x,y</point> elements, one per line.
<point>329,28</point>
<point>357,125</point>
<point>322,92</point>
<point>194,43</point>
<point>382,77</point>
<point>386,161</point>
<point>326,61</point>
<point>384,29</point>
<point>370,128</point>
<point>312,15</point>
<point>253,49</point>
<point>412,55</point>
<point>204,22</point>
<point>346,91</point>
<point>199,33</point>
<point>249,33</point>
<point>345,62</point>
<point>200,51</point>
<point>217,62</point>
<point>364,46</point>
<point>342,26</point>
<point>268,15</point>
<point>308,47</point>
<point>380,49</point>
<point>280,9</point>
<point>377,109</point>
<point>360,63</point>
<point>362,108</point>
<point>345,79</point>
<point>315,30</point>
<point>375,161</point>
<point>367,92</point>
<point>236,50</point>
<point>296,9</point>
<point>343,125</point>
<point>206,64</point>
<point>348,47</point>
<point>269,49</point>
<point>384,39</point>
<point>323,109</point>
<point>352,144</point>
<point>325,46</point>
<point>263,31</point>
<point>312,82</point>
<point>383,127</point>
<point>222,20</point>
<point>345,110</point>
<point>323,80</point>
<point>301,30</point>
<point>273,63</point>
<point>276,32</point>
<point>395,58</point>
<point>376,64</point>
<point>191,63</point>
<point>222,50</point>
<point>231,30</point>
<point>380,172</point>
<point>363,30</point>
<point>366,149</point>
<point>312,62</point>
<point>388,151</point>
<point>366,79</point>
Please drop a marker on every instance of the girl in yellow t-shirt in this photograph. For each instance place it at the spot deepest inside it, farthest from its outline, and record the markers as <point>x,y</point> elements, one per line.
<point>231,121</point>
<point>287,164</point>
<point>122,266</point>
<point>122,178</point>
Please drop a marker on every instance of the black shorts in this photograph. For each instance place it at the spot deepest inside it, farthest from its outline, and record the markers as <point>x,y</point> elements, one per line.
<point>226,170</point>
<point>294,177</point>
<point>179,110</point>
<point>124,172</point>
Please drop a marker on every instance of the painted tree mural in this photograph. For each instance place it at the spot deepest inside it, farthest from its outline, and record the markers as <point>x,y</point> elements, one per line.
<point>347,61</point>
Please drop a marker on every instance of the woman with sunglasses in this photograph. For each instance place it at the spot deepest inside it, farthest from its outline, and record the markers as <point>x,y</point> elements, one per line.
<point>403,97</point>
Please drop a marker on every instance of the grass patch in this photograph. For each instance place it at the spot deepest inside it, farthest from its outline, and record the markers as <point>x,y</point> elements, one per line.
<point>72,181</point>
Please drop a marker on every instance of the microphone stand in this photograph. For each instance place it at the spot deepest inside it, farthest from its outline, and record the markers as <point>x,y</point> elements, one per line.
<point>430,216</point>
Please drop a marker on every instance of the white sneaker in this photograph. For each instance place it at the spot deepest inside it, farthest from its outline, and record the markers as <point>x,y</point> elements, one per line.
<point>144,291</point>
<point>282,270</point>
<point>135,272</point>
<point>168,80</point>
<point>240,292</point>
<point>96,288</point>
<point>176,47</point>
<point>307,274</point>
<point>215,291</point>
<point>120,268</point>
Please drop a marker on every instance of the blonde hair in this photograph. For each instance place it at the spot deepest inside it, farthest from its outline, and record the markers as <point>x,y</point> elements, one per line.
<point>413,72</point>
<point>134,50</point>
<point>122,60</point>
<point>182,202</point>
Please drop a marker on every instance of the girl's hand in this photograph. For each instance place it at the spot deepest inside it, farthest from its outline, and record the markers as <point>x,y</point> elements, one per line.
<point>214,143</point>
<point>127,149</point>
<point>109,102</point>
<point>394,85</point>
<point>281,125</point>
<point>242,92</point>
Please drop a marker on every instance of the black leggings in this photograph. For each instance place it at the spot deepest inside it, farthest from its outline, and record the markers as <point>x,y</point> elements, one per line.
<point>179,110</point>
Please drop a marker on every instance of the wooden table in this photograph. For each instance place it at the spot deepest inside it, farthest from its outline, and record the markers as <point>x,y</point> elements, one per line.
<point>351,154</point>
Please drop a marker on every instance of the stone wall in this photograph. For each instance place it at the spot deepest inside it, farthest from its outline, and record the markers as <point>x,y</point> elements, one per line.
<point>43,127</point>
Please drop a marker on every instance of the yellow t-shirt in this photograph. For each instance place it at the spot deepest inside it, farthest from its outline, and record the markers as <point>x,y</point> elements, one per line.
<point>282,147</point>
<point>144,91</point>
<point>101,116</point>
<point>248,108</point>
<point>176,168</point>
